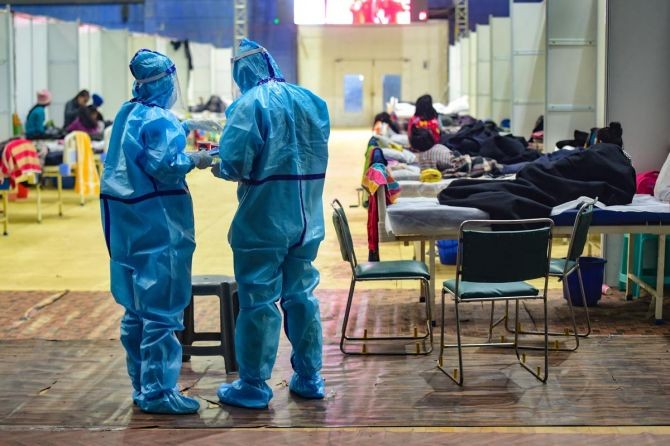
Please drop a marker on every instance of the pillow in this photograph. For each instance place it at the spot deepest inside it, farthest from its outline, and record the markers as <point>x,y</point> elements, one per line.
<point>404,156</point>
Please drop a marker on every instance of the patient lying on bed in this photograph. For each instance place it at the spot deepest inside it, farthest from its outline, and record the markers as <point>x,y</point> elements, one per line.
<point>451,163</point>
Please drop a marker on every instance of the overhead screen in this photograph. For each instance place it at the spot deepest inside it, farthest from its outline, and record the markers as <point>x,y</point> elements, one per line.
<point>359,12</point>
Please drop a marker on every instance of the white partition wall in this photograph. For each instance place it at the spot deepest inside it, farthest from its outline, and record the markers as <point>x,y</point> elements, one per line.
<point>162,44</point>
<point>90,58</point>
<point>63,66</point>
<point>528,65</point>
<point>465,68</point>
<point>31,62</point>
<point>571,69</point>
<point>115,73</point>
<point>222,76</point>
<point>138,41</point>
<point>638,80</point>
<point>455,91</point>
<point>6,75</point>
<point>483,71</point>
<point>472,93</point>
<point>200,85</point>
<point>501,68</point>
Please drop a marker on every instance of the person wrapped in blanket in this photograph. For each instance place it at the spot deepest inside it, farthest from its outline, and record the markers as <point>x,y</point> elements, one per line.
<point>450,162</point>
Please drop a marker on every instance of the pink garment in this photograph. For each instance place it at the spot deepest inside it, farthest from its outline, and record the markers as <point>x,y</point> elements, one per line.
<point>646,181</point>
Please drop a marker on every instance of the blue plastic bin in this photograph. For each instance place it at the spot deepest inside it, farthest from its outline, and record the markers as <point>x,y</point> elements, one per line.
<point>593,272</point>
<point>447,249</point>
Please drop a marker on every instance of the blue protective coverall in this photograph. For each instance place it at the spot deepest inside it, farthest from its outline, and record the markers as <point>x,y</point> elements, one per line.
<point>275,144</point>
<point>147,217</point>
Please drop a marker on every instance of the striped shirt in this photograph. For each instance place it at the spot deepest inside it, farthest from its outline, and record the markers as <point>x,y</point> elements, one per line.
<point>437,157</point>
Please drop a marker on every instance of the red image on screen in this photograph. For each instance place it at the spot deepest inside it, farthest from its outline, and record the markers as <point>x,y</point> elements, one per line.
<point>379,11</point>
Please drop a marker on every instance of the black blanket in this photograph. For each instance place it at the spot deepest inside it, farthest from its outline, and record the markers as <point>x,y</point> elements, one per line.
<point>483,139</point>
<point>603,171</point>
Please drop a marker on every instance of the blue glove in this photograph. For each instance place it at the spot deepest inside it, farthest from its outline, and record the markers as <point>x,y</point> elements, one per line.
<point>206,125</point>
<point>201,159</point>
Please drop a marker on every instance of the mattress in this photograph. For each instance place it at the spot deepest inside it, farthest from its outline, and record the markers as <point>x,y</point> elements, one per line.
<point>425,216</point>
<point>643,210</point>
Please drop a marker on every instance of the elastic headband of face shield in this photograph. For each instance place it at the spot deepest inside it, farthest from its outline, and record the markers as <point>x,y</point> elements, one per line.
<point>247,54</point>
<point>167,72</point>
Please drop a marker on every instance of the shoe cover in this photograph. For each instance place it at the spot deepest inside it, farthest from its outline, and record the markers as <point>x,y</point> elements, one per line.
<point>245,394</point>
<point>312,388</point>
<point>136,397</point>
<point>171,402</point>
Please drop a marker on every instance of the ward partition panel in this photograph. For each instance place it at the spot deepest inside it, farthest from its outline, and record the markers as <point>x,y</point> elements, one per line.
<point>571,58</point>
<point>222,76</point>
<point>455,71</point>
<point>63,66</point>
<point>528,65</point>
<point>200,84</point>
<point>484,71</point>
<point>501,68</point>
<point>465,69</point>
<point>116,77</point>
<point>31,72</point>
<point>473,75</point>
<point>90,58</point>
<point>638,78</point>
<point>6,74</point>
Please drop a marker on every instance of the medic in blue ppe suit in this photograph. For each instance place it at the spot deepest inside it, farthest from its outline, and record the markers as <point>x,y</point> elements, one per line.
<point>275,144</point>
<point>147,217</point>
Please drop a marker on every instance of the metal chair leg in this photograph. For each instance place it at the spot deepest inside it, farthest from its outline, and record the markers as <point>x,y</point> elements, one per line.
<point>59,187</point>
<point>586,307</point>
<point>458,379</point>
<point>575,332</point>
<point>536,373</point>
<point>345,322</point>
<point>428,336</point>
<point>38,192</point>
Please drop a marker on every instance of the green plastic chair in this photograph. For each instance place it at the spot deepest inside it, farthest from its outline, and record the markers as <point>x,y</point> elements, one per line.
<point>562,268</point>
<point>494,260</point>
<point>375,271</point>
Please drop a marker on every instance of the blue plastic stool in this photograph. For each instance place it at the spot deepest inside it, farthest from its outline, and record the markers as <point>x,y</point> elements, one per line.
<point>643,242</point>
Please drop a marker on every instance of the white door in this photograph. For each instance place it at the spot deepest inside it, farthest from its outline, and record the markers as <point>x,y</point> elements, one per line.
<point>363,88</point>
<point>353,94</point>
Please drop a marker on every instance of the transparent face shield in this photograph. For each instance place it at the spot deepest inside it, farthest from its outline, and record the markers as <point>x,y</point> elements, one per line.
<point>234,88</point>
<point>176,101</point>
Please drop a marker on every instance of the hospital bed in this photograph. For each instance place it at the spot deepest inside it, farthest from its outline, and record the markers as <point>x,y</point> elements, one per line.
<point>424,220</point>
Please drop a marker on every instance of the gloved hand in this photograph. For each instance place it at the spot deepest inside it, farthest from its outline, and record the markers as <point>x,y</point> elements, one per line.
<point>201,159</point>
<point>207,125</point>
<point>216,170</point>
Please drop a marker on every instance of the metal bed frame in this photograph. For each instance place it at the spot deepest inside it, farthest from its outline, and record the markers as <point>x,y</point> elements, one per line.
<point>385,235</point>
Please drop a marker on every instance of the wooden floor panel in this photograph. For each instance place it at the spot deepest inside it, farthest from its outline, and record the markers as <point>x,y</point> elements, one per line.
<point>339,437</point>
<point>612,380</point>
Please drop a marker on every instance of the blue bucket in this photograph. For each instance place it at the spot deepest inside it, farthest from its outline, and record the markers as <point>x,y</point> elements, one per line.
<point>448,250</point>
<point>593,272</point>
